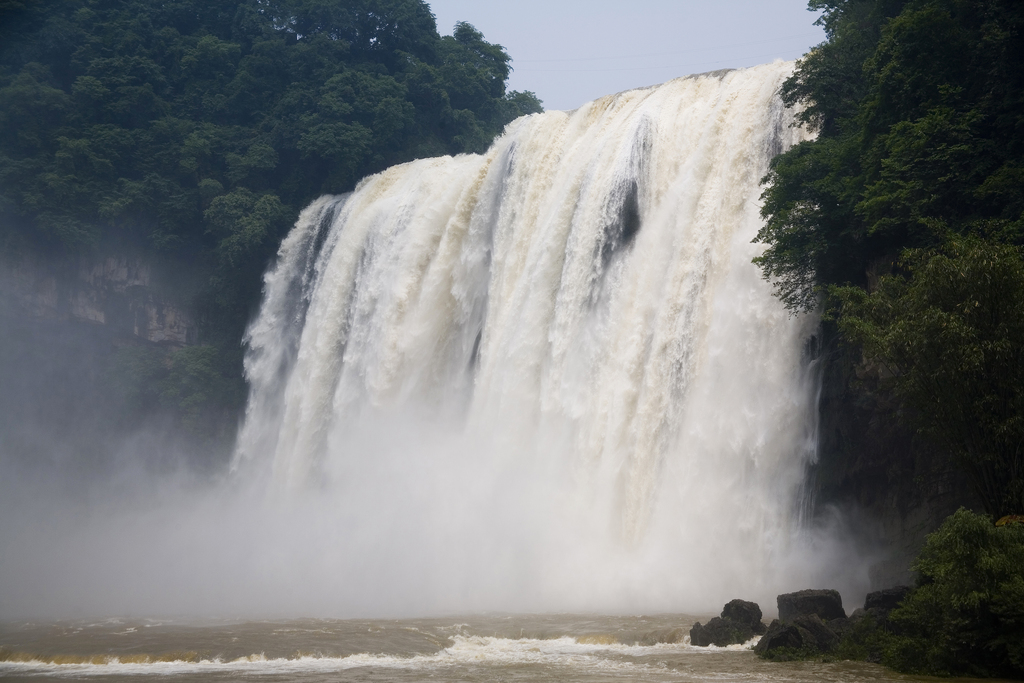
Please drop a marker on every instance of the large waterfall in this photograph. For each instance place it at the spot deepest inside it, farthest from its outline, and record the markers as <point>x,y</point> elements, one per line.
<point>548,376</point>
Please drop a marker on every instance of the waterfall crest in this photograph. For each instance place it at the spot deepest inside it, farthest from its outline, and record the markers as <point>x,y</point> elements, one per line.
<point>550,374</point>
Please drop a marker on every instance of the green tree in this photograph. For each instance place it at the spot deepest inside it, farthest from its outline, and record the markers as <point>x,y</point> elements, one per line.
<point>919,109</point>
<point>966,614</point>
<point>195,130</point>
<point>950,337</point>
<point>908,206</point>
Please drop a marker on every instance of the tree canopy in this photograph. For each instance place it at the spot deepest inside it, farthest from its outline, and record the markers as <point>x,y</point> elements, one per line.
<point>198,128</point>
<point>919,110</point>
<point>951,339</point>
<point>195,130</point>
<point>906,215</point>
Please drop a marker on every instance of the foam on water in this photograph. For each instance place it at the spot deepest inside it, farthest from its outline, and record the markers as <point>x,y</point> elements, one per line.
<point>465,650</point>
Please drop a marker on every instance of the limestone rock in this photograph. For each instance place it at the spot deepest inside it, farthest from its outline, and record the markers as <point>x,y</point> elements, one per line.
<point>740,621</point>
<point>720,632</point>
<point>779,635</point>
<point>745,612</point>
<point>826,604</point>
<point>815,633</point>
<point>840,626</point>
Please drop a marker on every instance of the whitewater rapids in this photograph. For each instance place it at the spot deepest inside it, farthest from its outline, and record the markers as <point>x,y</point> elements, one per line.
<point>548,376</point>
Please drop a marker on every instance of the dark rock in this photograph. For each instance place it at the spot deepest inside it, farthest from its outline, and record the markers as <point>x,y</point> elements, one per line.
<point>826,604</point>
<point>779,635</point>
<point>815,633</point>
<point>903,485</point>
<point>745,612</point>
<point>886,600</point>
<point>740,621</point>
<point>806,632</point>
<point>840,626</point>
<point>720,632</point>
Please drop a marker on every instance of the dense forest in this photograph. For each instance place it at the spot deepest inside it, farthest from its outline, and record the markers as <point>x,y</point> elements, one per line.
<point>906,216</point>
<point>904,221</point>
<point>193,132</point>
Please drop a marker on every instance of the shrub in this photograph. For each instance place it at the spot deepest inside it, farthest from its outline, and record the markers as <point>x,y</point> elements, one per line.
<point>966,615</point>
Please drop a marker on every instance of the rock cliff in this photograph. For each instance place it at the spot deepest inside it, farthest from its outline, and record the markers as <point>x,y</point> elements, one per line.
<point>121,292</point>
<point>893,484</point>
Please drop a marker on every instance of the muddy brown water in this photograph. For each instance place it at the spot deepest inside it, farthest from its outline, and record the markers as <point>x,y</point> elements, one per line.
<point>564,648</point>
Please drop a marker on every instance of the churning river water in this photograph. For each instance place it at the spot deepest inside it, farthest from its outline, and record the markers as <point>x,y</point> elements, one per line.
<point>565,647</point>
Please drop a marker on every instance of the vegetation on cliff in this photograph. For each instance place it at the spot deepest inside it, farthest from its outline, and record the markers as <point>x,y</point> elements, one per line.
<point>194,131</point>
<point>964,616</point>
<point>906,215</point>
<point>904,219</point>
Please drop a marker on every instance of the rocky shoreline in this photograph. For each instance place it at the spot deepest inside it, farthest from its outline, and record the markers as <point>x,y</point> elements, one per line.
<point>811,623</point>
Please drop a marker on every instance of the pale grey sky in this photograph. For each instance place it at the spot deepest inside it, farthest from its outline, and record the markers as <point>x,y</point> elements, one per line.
<point>573,51</point>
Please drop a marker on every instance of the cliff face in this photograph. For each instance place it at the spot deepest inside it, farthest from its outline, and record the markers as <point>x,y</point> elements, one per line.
<point>116,291</point>
<point>897,486</point>
<point>70,332</point>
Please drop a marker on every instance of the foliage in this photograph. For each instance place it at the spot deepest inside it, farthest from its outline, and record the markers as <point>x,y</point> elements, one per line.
<point>919,109</point>
<point>966,615</point>
<point>865,641</point>
<point>951,338</point>
<point>197,388</point>
<point>195,130</point>
<point>907,214</point>
<point>194,384</point>
<point>914,191</point>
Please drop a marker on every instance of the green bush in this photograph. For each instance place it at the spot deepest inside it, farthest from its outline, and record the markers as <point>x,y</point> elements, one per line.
<point>966,615</point>
<point>949,334</point>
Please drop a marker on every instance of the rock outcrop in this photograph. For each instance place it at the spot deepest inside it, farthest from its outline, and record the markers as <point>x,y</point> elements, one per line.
<point>805,632</point>
<point>740,621</point>
<point>744,612</point>
<point>886,600</point>
<point>826,604</point>
<point>894,485</point>
<point>812,622</point>
<point>120,293</point>
<point>879,604</point>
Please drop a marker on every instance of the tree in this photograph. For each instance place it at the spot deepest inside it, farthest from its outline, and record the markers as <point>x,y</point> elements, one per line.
<point>950,337</point>
<point>919,109</point>
<point>195,130</point>
<point>906,208</point>
<point>966,615</point>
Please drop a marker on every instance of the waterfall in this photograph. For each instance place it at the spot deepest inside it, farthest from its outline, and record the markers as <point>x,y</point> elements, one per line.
<point>548,376</point>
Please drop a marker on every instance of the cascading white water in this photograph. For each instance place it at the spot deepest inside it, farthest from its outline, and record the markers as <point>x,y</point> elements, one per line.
<point>548,377</point>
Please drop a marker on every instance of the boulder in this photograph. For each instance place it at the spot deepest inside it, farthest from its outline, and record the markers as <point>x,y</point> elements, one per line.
<point>807,633</point>
<point>815,633</point>
<point>825,604</point>
<point>841,626</point>
<point>779,635</point>
<point>740,621</point>
<point>720,632</point>
<point>745,612</point>
<point>879,604</point>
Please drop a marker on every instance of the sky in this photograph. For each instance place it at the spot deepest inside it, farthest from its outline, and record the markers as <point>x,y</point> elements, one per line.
<point>569,52</point>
